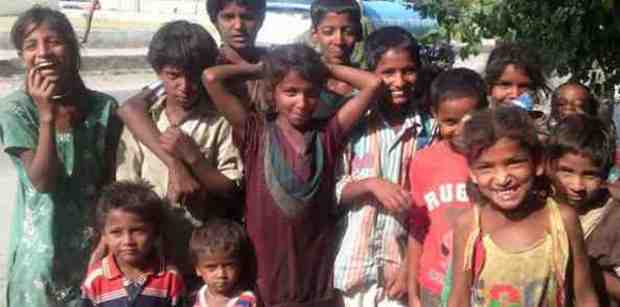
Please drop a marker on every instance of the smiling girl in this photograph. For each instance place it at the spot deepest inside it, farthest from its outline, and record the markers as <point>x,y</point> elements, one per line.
<point>516,246</point>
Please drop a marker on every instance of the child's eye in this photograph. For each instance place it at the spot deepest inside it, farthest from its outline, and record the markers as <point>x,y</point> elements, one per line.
<point>327,31</point>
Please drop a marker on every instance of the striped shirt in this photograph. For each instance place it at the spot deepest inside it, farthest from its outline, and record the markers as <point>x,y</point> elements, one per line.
<point>106,286</point>
<point>373,242</point>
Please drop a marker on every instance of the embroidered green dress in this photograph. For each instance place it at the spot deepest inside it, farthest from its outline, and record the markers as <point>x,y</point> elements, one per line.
<point>50,237</point>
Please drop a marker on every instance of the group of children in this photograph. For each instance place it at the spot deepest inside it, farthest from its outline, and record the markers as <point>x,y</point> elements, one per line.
<point>361,187</point>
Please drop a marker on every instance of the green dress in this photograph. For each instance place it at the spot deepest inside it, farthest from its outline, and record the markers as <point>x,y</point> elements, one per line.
<point>51,233</point>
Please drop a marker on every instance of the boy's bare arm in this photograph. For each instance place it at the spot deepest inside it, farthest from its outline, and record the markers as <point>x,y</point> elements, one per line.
<point>389,195</point>
<point>227,102</point>
<point>461,279</point>
<point>585,295</point>
<point>133,113</point>
<point>414,251</point>
<point>370,89</point>
<point>612,285</point>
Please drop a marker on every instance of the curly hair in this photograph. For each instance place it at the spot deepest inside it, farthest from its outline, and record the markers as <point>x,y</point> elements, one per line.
<point>220,236</point>
<point>136,197</point>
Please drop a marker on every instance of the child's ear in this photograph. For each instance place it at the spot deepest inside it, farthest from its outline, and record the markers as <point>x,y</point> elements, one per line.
<point>473,177</point>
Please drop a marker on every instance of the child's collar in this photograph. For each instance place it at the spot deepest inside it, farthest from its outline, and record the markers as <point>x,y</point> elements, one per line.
<point>156,266</point>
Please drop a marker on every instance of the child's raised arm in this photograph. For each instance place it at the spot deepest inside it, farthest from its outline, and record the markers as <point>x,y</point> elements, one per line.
<point>231,106</point>
<point>461,279</point>
<point>370,89</point>
<point>583,288</point>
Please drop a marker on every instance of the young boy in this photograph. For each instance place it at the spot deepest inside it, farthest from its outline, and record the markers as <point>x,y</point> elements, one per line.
<point>192,130</point>
<point>238,22</point>
<point>579,157</point>
<point>336,29</point>
<point>129,217</point>
<point>440,194</point>
<point>370,264</point>
<point>220,253</point>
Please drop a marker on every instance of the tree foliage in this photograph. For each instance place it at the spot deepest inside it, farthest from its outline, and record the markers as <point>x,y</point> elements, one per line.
<point>580,38</point>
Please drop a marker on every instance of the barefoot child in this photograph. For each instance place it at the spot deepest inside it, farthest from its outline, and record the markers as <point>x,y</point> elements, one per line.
<point>129,217</point>
<point>372,191</point>
<point>516,246</point>
<point>289,160</point>
<point>220,253</point>
<point>579,157</point>
<point>439,176</point>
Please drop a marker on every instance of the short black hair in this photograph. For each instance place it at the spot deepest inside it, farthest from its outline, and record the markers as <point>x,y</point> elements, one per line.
<point>219,235</point>
<point>215,6</point>
<point>136,197</point>
<point>55,21</point>
<point>458,83</point>
<point>384,39</point>
<point>591,105</point>
<point>519,55</point>
<point>185,45</point>
<point>293,57</point>
<point>320,8</point>
<point>585,135</point>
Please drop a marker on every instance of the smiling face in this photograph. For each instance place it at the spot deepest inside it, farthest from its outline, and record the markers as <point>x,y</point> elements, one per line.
<point>513,82</point>
<point>44,48</point>
<point>576,179</point>
<point>336,36</point>
<point>295,99</point>
<point>571,99</point>
<point>220,272</point>
<point>450,114</point>
<point>399,72</point>
<point>180,88</point>
<point>238,25</point>
<point>505,173</point>
<point>128,237</point>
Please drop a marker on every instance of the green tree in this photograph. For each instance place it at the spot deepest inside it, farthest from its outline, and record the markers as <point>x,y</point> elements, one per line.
<point>580,38</point>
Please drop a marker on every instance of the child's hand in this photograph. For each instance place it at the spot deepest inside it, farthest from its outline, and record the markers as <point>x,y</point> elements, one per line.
<point>180,145</point>
<point>41,89</point>
<point>396,286</point>
<point>180,183</point>
<point>231,55</point>
<point>391,196</point>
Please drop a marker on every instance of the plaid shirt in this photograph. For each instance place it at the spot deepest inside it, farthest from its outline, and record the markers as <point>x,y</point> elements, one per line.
<point>373,243</point>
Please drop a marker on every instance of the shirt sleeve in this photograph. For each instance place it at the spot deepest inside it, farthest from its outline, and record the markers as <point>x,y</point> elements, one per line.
<point>18,127</point>
<point>343,174</point>
<point>227,155</point>
<point>129,158</point>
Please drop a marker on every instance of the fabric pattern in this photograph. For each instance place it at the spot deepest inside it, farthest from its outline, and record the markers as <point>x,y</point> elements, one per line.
<point>244,299</point>
<point>106,286</point>
<point>51,232</point>
<point>373,244</point>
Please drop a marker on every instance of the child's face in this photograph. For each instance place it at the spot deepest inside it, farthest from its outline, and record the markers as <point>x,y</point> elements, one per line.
<point>576,179</point>
<point>505,174</point>
<point>398,70</point>
<point>450,114</point>
<point>571,99</point>
<point>513,82</point>
<point>238,25</point>
<point>180,89</point>
<point>336,36</point>
<point>128,237</point>
<point>220,272</point>
<point>295,99</point>
<point>44,45</point>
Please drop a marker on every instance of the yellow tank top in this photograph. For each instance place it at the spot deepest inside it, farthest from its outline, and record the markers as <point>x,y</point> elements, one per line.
<point>530,277</point>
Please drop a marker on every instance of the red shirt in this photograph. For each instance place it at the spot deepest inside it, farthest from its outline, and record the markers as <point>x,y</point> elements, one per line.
<point>295,254</point>
<point>438,186</point>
